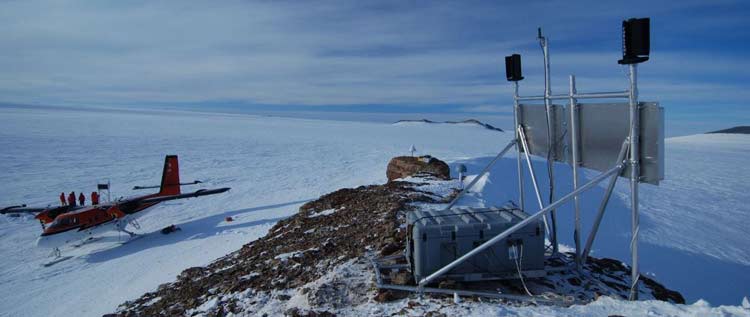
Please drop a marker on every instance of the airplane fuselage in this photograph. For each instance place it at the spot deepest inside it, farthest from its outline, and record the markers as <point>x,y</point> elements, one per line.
<point>89,222</point>
<point>65,225</point>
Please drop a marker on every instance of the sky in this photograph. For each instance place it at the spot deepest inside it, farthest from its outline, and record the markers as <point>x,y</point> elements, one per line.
<point>374,58</point>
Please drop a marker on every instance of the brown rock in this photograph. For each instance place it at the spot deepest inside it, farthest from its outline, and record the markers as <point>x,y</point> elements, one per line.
<point>391,248</point>
<point>449,284</point>
<point>296,312</point>
<point>384,296</point>
<point>405,166</point>
<point>401,278</point>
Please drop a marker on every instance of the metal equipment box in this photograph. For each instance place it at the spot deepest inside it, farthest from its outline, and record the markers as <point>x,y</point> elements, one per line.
<point>437,237</point>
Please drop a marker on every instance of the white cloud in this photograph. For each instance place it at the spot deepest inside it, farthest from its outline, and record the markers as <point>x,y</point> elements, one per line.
<point>489,109</point>
<point>326,53</point>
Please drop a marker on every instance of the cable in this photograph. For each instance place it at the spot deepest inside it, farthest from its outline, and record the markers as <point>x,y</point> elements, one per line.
<point>518,261</point>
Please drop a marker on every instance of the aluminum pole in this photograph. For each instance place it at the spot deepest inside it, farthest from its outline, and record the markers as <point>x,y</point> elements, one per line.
<point>519,225</point>
<point>617,94</point>
<point>603,205</point>
<point>634,175</point>
<point>574,149</point>
<point>481,174</point>
<point>516,113</point>
<point>593,95</point>
<point>551,138</point>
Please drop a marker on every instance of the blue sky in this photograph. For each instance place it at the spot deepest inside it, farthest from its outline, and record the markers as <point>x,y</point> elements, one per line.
<point>399,56</point>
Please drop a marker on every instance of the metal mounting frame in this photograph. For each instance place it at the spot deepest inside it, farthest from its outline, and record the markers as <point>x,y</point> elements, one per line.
<point>380,283</point>
<point>628,160</point>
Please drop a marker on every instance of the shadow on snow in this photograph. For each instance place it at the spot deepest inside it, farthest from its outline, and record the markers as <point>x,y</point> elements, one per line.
<point>194,229</point>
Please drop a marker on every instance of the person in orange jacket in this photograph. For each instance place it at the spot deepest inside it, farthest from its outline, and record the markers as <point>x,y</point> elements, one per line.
<point>82,199</point>
<point>94,198</point>
<point>72,199</point>
<point>63,202</point>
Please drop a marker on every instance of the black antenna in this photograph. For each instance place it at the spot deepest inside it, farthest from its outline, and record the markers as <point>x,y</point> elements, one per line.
<point>636,41</point>
<point>513,67</point>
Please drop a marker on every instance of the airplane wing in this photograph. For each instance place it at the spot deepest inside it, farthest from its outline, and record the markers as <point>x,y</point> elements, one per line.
<point>157,186</point>
<point>198,193</point>
<point>21,209</point>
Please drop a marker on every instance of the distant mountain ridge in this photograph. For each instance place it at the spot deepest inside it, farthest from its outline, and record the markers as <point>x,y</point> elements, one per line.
<point>743,129</point>
<point>469,121</point>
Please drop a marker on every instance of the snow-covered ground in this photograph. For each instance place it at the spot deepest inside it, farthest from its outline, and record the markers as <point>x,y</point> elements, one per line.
<point>275,164</point>
<point>351,279</point>
<point>272,164</point>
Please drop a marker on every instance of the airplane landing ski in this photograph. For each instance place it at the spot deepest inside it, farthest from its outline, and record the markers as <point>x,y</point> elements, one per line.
<point>57,260</point>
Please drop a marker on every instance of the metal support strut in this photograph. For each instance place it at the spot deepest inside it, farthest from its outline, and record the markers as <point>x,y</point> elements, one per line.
<point>634,175</point>
<point>481,174</point>
<point>603,205</point>
<point>574,149</point>
<point>516,120</point>
<point>522,139</point>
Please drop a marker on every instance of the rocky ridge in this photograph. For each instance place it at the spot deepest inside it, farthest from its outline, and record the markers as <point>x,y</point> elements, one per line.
<point>467,121</point>
<point>316,263</point>
<point>733,130</point>
<point>334,229</point>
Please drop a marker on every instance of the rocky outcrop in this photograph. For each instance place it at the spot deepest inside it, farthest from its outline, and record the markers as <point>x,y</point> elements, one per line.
<point>322,253</point>
<point>405,166</point>
<point>468,121</point>
<point>734,130</point>
<point>327,232</point>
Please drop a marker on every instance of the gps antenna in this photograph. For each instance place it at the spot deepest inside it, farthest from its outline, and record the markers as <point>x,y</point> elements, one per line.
<point>636,41</point>
<point>513,67</point>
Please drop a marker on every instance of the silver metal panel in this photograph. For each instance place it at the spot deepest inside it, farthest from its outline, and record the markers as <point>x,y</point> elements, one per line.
<point>652,142</point>
<point>533,119</point>
<point>603,128</point>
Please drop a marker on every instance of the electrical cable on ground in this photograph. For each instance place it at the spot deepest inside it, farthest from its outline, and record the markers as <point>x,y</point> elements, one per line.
<point>518,260</point>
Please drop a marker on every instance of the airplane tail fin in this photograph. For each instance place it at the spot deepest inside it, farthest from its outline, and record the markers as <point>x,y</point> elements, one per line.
<point>170,178</point>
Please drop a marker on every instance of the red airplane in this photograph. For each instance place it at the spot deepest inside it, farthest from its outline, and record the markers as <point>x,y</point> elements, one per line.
<point>68,225</point>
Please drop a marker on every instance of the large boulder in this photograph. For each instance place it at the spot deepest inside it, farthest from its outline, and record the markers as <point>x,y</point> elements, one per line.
<point>405,166</point>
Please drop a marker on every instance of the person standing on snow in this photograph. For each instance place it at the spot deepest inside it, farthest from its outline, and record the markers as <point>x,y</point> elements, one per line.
<point>63,202</point>
<point>82,199</point>
<point>94,198</point>
<point>72,199</point>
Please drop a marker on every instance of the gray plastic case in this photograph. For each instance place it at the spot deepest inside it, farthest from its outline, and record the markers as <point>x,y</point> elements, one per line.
<point>437,237</point>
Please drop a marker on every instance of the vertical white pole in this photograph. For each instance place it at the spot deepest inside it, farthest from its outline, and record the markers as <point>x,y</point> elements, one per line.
<point>634,175</point>
<point>573,109</point>
<point>516,121</point>
<point>550,138</point>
